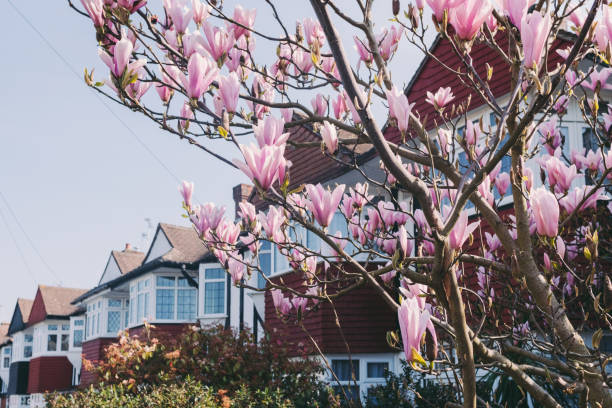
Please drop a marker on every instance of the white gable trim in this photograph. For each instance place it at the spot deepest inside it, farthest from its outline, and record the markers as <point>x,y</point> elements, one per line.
<point>111,271</point>
<point>159,247</point>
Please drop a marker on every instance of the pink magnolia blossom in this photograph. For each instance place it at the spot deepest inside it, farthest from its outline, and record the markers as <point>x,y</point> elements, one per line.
<point>95,9</point>
<point>550,135</point>
<point>388,41</point>
<point>560,247</point>
<point>575,197</point>
<point>302,62</point>
<point>281,303</point>
<point>339,105</point>
<point>324,203</point>
<point>228,232</point>
<point>118,63</point>
<point>201,72</point>
<point>413,322</point>
<point>319,105</point>
<point>354,113</point>
<point>131,5</point>
<point>546,212</point>
<point>592,160</point>
<point>201,11</point>
<point>441,98</point>
<point>287,114</point>
<point>559,174</point>
<point>472,133</point>
<point>493,242</point>
<point>330,137</point>
<point>218,41</point>
<point>180,13</point>
<point>571,78</point>
<point>313,32</point>
<point>187,114</point>
<point>269,132</point>
<point>299,303</point>
<point>444,139</point>
<point>272,223</point>
<point>229,90</point>
<point>405,243</point>
<point>484,189</point>
<point>460,233</point>
<point>247,212</point>
<point>186,190</point>
<point>469,17</point>
<point>388,276</point>
<point>399,108</point>
<point>236,270</point>
<point>534,34</point>
<point>138,88</point>
<point>359,195</point>
<point>578,17</point>
<point>561,105</point>
<point>364,53</point>
<point>207,217</point>
<point>502,182</point>
<point>246,20</point>
<point>439,6</point>
<point>263,165</point>
<point>516,9</point>
<point>599,79</point>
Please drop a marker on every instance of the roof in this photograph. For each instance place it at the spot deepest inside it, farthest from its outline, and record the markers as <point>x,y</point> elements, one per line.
<point>187,250</point>
<point>128,260</point>
<point>4,337</point>
<point>25,307</point>
<point>310,165</point>
<point>187,247</point>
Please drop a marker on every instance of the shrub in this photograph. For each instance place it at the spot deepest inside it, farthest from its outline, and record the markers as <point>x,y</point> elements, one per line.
<point>186,394</point>
<point>218,358</point>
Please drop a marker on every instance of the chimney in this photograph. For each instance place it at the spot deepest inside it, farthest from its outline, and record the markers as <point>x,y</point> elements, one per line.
<point>128,247</point>
<point>241,193</point>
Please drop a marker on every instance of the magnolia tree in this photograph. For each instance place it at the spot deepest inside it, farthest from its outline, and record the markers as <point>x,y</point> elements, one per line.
<point>515,303</point>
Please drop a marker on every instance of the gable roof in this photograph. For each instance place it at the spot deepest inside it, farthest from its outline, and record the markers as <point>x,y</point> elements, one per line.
<point>187,249</point>
<point>21,315</point>
<point>53,302</point>
<point>128,259</point>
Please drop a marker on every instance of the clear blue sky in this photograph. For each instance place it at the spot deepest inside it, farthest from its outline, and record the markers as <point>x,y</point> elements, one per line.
<point>77,180</point>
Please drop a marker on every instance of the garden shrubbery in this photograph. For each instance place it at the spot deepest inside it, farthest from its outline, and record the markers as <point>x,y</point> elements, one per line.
<point>203,368</point>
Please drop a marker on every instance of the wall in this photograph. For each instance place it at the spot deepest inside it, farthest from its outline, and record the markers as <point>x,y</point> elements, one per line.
<point>49,374</point>
<point>93,351</point>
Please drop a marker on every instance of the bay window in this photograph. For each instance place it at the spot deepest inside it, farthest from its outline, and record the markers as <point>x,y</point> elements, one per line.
<point>77,332</point>
<point>140,294</point>
<point>213,290</point>
<point>174,299</point>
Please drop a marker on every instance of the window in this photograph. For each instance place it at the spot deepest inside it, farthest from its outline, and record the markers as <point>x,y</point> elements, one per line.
<point>265,263</point>
<point>52,342</point>
<point>114,321</point>
<point>65,342</point>
<point>6,362</point>
<point>214,291</point>
<point>140,294</point>
<point>342,369</point>
<point>377,369</point>
<point>77,340</point>
<point>27,349</point>
<point>175,299</point>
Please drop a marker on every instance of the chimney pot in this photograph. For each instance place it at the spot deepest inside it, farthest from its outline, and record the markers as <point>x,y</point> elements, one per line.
<point>128,246</point>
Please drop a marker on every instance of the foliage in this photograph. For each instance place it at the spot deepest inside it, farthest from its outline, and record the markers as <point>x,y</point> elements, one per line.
<point>219,358</point>
<point>188,393</point>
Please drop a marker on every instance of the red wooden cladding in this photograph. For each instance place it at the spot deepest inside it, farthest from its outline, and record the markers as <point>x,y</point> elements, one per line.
<point>48,374</point>
<point>38,313</point>
<point>161,331</point>
<point>93,351</point>
<point>363,316</point>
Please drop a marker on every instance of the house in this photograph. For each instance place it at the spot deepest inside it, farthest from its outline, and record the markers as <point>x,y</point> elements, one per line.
<point>177,283</point>
<point>5,362</point>
<point>21,353</point>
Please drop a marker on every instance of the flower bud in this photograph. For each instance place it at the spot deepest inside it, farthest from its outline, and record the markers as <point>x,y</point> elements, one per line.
<point>396,7</point>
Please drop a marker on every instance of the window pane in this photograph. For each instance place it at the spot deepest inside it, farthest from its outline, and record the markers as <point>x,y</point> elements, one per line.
<point>77,340</point>
<point>377,370</point>
<point>78,322</point>
<point>52,327</point>
<point>352,392</point>
<point>184,283</point>
<point>265,263</point>
<point>215,273</point>
<point>165,281</point>
<point>187,304</point>
<point>342,369</point>
<point>7,362</point>
<point>146,305</point>
<point>140,285</point>
<point>28,338</point>
<point>27,351</point>
<point>52,342</point>
<point>140,315</point>
<point>65,342</point>
<point>214,297</point>
<point>164,309</point>
<point>114,322</point>
<point>114,303</point>
<point>65,327</point>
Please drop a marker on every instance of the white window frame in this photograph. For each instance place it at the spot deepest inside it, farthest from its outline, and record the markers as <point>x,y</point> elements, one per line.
<point>202,291</point>
<point>74,328</point>
<point>176,289</point>
<point>143,286</point>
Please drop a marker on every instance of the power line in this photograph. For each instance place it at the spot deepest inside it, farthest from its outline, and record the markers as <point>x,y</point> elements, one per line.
<point>55,275</point>
<point>100,99</point>
<point>23,258</point>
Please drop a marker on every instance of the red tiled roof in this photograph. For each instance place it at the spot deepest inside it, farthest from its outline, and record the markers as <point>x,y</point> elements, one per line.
<point>128,260</point>
<point>186,245</point>
<point>25,307</point>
